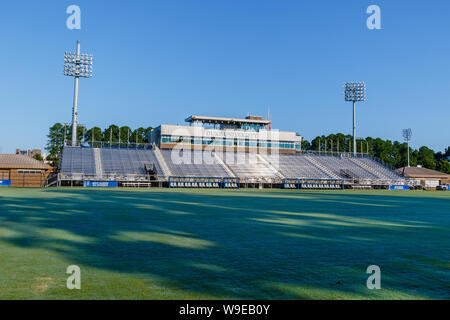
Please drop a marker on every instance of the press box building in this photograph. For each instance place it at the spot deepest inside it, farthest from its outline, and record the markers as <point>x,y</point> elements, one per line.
<point>251,134</point>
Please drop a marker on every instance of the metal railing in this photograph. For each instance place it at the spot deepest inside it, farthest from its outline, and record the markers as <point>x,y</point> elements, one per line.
<point>334,153</point>
<point>108,144</point>
<point>52,180</point>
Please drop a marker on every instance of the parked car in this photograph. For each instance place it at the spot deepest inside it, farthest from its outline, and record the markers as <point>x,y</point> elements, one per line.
<point>443,187</point>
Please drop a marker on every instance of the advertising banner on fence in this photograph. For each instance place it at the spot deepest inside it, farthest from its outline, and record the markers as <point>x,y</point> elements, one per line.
<point>398,187</point>
<point>5,183</point>
<point>100,184</point>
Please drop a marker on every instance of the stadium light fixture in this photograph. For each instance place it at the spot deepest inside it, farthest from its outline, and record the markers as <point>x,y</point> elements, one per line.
<point>77,65</point>
<point>355,92</point>
<point>407,133</point>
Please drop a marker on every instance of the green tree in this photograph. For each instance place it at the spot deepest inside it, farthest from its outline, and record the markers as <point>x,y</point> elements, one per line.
<point>111,134</point>
<point>146,134</point>
<point>306,145</point>
<point>341,142</point>
<point>94,135</point>
<point>125,133</point>
<point>55,143</point>
<point>447,153</point>
<point>55,139</point>
<point>443,166</point>
<point>425,157</point>
<point>138,136</point>
<point>38,157</point>
<point>316,144</point>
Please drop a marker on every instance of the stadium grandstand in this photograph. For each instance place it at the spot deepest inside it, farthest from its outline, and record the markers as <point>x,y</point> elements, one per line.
<point>217,152</point>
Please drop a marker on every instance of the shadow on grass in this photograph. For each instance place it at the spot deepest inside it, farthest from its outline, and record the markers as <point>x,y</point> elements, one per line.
<point>244,244</point>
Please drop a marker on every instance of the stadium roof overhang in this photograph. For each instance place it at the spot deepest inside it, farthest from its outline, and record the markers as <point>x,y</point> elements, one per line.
<point>222,120</point>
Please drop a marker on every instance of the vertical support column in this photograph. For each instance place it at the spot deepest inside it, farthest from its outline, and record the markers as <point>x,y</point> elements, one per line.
<point>407,143</point>
<point>75,99</point>
<point>354,127</point>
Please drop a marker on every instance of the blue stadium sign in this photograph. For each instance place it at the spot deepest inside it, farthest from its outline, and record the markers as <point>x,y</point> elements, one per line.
<point>100,184</point>
<point>5,183</point>
<point>398,187</point>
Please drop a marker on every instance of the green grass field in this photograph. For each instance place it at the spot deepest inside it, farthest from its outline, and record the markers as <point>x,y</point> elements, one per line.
<point>218,244</point>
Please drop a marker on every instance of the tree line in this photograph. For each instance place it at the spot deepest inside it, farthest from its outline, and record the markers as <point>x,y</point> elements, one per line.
<point>393,153</point>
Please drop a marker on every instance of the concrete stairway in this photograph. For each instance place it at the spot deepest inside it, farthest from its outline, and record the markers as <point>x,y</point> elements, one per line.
<point>223,164</point>
<point>323,168</point>
<point>162,162</point>
<point>98,163</point>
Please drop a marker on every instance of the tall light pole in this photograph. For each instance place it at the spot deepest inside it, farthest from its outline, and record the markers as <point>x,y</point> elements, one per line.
<point>77,65</point>
<point>407,133</point>
<point>354,91</point>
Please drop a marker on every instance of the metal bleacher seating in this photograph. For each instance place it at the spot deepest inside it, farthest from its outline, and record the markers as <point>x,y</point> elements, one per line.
<point>127,161</point>
<point>381,170</point>
<point>247,165</point>
<point>193,163</point>
<point>297,166</point>
<point>77,160</point>
<point>336,164</point>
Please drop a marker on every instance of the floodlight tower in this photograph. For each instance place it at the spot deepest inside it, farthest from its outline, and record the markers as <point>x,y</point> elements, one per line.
<point>354,91</point>
<point>407,133</point>
<point>77,65</point>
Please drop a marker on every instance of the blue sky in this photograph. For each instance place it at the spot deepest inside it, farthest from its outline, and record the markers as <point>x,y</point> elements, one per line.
<point>161,61</point>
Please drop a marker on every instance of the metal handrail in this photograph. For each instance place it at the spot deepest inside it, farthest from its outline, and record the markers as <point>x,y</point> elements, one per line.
<point>107,144</point>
